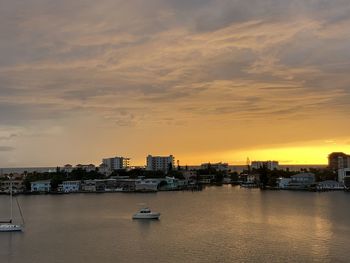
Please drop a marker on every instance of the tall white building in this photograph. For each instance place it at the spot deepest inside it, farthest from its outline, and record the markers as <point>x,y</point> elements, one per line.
<point>160,163</point>
<point>116,163</point>
<point>271,165</point>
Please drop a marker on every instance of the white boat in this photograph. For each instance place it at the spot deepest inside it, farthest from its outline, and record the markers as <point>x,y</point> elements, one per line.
<point>8,226</point>
<point>146,213</point>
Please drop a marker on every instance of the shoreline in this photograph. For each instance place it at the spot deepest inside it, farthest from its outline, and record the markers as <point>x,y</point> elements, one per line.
<point>196,189</point>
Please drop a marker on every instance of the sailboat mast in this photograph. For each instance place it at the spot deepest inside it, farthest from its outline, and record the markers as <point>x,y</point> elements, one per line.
<point>11,199</point>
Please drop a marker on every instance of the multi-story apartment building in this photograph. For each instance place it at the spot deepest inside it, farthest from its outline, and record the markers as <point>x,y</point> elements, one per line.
<point>338,160</point>
<point>160,163</point>
<point>271,165</point>
<point>116,163</point>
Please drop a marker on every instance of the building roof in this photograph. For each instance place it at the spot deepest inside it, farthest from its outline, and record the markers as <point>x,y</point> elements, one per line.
<point>329,182</point>
<point>304,175</point>
<point>41,182</point>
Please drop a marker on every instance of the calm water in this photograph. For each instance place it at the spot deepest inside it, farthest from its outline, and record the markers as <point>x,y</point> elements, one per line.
<point>219,224</point>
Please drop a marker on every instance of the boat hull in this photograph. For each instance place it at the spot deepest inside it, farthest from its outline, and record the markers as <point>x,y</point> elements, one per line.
<point>146,216</point>
<point>10,228</point>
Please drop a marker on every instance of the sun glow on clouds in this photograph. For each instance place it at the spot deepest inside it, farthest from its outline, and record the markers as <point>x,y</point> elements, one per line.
<point>192,78</point>
<point>296,155</point>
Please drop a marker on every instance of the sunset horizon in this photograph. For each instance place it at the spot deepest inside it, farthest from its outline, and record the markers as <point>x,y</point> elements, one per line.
<point>220,81</point>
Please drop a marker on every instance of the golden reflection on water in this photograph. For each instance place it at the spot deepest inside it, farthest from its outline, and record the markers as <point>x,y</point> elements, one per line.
<point>303,225</point>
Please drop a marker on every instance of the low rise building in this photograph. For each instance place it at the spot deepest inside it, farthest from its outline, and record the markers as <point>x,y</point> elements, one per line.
<point>40,186</point>
<point>86,167</point>
<point>329,185</point>
<point>171,183</point>
<point>302,181</point>
<point>206,178</point>
<point>253,178</point>
<point>68,168</point>
<point>17,186</point>
<point>103,169</point>
<point>71,186</point>
<point>227,180</point>
<point>189,174</point>
<point>147,185</point>
<point>125,184</point>
<point>283,183</point>
<point>88,186</point>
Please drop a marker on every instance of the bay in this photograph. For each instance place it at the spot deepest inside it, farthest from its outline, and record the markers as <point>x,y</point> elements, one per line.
<point>218,224</point>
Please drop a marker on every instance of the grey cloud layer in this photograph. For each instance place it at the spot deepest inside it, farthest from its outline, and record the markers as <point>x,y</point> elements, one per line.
<point>210,57</point>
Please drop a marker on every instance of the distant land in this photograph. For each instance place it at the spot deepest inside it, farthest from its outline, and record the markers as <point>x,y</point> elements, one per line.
<point>234,168</point>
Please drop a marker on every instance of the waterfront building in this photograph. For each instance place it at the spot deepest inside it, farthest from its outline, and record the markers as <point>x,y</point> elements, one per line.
<point>125,184</point>
<point>171,183</point>
<point>227,180</point>
<point>271,165</point>
<point>147,185</point>
<point>96,185</point>
<point>189,174</point>
<point>253,178</point>
<point>302,181</point>
<point>338,160</point>
<point>110,184</point>
<point>283,183</point>
<point>220,167</point>
<point>88,186</point>
<point>342,173</point>
<point>160,163</point>
<point>40,186</point>
<point>17,186</point>
<point>329,185</point>
<point>71,186</point>
<point>206,178</point>
<point>116,163</point>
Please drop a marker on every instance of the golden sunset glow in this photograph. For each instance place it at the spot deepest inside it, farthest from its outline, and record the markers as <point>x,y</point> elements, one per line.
<point>214,81</point>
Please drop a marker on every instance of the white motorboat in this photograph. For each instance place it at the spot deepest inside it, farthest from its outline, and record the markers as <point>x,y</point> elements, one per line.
<point>8,226</point>
<point>146,213</point>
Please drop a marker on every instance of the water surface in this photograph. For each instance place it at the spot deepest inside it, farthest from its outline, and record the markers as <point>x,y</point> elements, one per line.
<point>219,224</point>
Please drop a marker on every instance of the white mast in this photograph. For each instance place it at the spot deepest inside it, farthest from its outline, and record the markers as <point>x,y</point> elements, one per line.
<point>11,199</point>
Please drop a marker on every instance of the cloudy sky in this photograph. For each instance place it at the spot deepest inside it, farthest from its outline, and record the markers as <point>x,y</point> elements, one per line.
<point>205,80</point>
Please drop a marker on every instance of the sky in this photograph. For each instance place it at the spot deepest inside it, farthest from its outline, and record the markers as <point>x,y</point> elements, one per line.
<point>204,80</point>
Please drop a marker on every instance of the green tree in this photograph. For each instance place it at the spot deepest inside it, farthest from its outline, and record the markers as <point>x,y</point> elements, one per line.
<point>264,177</point>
